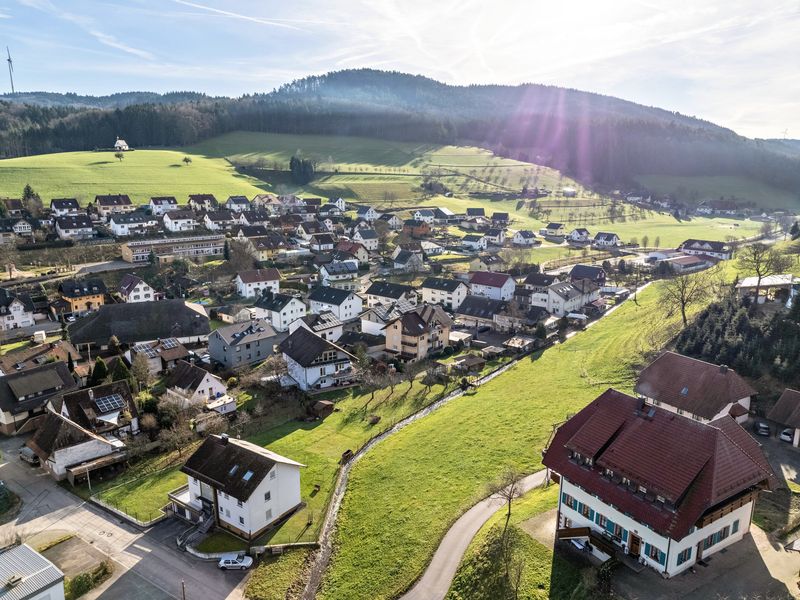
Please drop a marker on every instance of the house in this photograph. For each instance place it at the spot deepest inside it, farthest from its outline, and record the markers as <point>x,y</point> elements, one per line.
<point>497,286</point>
<point>132,223</point>
<point>554,230</point>
<point>180,220</point>
<point>203,202</point>
<point>24,359</point>
<point>565,298</point>
<point>245,488</point>
<point>237,204</point>
<point>579,235</point>
<point>407,261</point>
<point>113,204</point>
<point>189,385</point>
<point>539,282</point>
<point>394,222</point>
<point>450,293</point>
<point>320,242</point>
<point>386,292</point>
<point>367,213</point>
<point>134,289</point>
<point>267,247</point>
<point>279,309</point>
<point>220,220</point>
<point>14,207</point>
<point>36,577</point>
<point>16,310</point>
<point>161,355</point>
<point>786,413</point>
<point>142,322</point>
<point>495,236</point>
<point>315,363</point>
<point>62,207</point>
<point>325,325</point>
<point>604,239</point>
<point>500,219</point>
<point>689,263</point>
<point>367,237</point>
<point>487,262</point>
<point>443,216</point>
<point>591,272</point>
<point>242,344</point>
<point>666,492</point>
<point>250,284</point>
<point>345,304</point>
<point>476,212</point>
<point>160,205</point>
<point>473,241</point>
<point>242,232</point>
<point>232,313</point>
<point>431,248</point>
<point>106,410</point>
<point>413,246</point>
<point>24,395</point>
<point>255,216</point>
<point>329,210</point>
<point>121,145</point>
<point>719,250</point>
<point>524,238</point>
<point>476,223</point>
<point>569,192</point>
<point>307,229</point>
<point>200,246</point>
<point>358,251</point>
<point>418,333</point>
<point>342,274</point>
<point>425,215</point>
<point>74,227</point>
<point>694,388</point>
<point>83,295</point>
<point>268,202</point>
<point>416,228</point>
<point>479,311</point>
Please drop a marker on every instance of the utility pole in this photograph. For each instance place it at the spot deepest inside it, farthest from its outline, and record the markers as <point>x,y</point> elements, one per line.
<point>183,589</point>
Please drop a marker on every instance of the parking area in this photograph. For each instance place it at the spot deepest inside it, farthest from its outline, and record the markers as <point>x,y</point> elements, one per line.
<point>784,458</point>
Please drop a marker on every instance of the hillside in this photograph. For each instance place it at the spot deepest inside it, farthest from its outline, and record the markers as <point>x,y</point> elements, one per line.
<point>119,100</point>
<point>599,140</point>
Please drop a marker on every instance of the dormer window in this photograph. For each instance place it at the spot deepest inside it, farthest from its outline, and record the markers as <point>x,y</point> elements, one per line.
<point>642,489</point>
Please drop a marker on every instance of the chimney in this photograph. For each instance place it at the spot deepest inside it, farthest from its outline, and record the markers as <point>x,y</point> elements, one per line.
<point>91,394</point>
<point>723,369</point>
<point>224,439</point>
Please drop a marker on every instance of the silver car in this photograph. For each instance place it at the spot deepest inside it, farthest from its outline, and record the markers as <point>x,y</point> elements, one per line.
<point>235,560</point>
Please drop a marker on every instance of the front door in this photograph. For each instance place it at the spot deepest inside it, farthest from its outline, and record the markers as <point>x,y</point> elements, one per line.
<point>634,545</point>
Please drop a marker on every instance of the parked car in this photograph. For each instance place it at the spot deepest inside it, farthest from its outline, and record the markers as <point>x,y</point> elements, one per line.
<point>28,456</point>
<point>235,560</point>
<point>762,428</point>
<point>787,435</point>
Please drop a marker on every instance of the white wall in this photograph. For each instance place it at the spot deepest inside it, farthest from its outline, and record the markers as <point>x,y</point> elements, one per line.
<point>506,292</point>
<point>72,455</point>
<point>250,290</point>
<point>349,309</point>
<point>743,401</point>
<point>451,300</point>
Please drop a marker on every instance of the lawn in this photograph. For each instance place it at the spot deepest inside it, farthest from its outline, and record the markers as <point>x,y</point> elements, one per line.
<point>274,575</point>
<point>544,575</point>
<point>221,541</point>
<point>405,493</point>
<point>141,497</point>
<point>141,174</point>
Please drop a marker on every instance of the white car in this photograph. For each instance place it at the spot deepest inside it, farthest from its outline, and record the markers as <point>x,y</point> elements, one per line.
<point>787,435</point>
<point>235,560</point>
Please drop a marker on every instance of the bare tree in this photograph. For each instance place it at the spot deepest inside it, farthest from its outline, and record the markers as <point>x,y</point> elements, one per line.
<point>140,370</point>
<point>507,487</point>
<point>175,438</point>
<point>762,261</point>
<point>680,292</point>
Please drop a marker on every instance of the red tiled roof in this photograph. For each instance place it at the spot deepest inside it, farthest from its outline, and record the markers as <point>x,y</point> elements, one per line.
<point>696,386</point>
<point>695,466</point>
<point>490,279</point>
<point>787,410</point>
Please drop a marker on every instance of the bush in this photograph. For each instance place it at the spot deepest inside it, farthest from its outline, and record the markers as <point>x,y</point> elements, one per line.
<point>232,381</point>
<point>448,351</point>
<point>77,586</point>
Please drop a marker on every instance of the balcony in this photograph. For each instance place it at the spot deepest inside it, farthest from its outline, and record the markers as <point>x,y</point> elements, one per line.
<point>183,497</point>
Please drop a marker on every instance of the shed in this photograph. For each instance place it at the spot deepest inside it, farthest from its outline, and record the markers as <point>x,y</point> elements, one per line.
<point>322,408</point>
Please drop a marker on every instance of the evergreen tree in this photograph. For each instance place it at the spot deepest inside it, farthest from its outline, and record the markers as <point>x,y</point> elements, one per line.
<point>795,231</point>
<point>99,373</point>
<point>121,372</point>
<point>226,251</point>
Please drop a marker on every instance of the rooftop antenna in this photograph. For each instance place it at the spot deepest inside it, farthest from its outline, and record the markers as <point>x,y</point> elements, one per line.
<point>10,69</point>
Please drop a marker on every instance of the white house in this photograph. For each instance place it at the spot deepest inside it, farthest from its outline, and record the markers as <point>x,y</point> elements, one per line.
<point>561,299</point>
<point>666,491</point>
<point>315,363</point>
<point>180,220</point>
<point>473,241</point>
<point>244,488</point>
<point>368,238</point>
<point>386,292</point>
<point>340,273</point>
<point>367,213</point>
<point>425,215</point>
<point>694,388</point>
<point>497,286</point>
<point>61,207</point>
<point>579,235</point>
<point>238,204</point>
<point>253,283</point>
<point>394,222</point>
<point>553,230</point>
<point>16,310</point>
<point>524,237</point>
<point>189,385</point>
<point>495,236</point>
<point>345,304</point>
<point>604,239</point>
<point>121,145</point>
<point>718,250</point>
<point>113,204</point>
<point>160,205</point>
<point>134,289</point>
<point>131,223</point>
<point>29,575</point>
<point>74,227</point>
<point>279,309</point>
<point>450,293</point>
<point>325,325</point>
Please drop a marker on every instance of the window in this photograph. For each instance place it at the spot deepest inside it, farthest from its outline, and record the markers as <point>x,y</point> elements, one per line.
<point>247,476</point>
<point>239,503</point>
<point>272,474</point>
<point>642,489</point>
<point>241,520</point>
<point>655,554</point>
<point>735,526</point>
<point>684,555</point>
<point>587,512</point>
<point>267,496</point>
<point>220,510</point>
<point>569,501</point>
<point>601,520</point>
<point>224,495</point>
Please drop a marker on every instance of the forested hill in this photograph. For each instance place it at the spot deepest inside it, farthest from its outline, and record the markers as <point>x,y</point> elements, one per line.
<point>598,139</point>
<point>119,100</point>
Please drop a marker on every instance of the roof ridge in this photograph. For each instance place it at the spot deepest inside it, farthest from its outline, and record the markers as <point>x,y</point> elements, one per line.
<point>741,449</point>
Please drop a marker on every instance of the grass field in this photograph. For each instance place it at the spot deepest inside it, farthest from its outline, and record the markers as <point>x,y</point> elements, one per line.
<point>141,174</point>
<point>695,189</point>
<point>404,494</point>
<point>274,575</point>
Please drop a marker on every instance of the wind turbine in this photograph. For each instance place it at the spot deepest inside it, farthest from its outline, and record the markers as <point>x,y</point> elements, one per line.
<point>10,69</point>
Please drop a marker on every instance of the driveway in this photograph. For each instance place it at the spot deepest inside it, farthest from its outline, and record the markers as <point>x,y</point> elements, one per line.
<point>151,556</point>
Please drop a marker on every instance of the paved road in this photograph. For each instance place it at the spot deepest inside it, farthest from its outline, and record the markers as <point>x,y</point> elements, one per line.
<point>435,582</point>
<point>151,557</point>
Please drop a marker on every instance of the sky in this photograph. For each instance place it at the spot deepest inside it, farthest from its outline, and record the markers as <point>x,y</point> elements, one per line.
<point>733,62</point>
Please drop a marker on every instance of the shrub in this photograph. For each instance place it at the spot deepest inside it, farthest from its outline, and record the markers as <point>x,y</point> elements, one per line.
<point>232,381</point>
<point>77,586</point>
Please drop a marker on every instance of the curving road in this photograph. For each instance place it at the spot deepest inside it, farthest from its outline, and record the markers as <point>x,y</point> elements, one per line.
<point>435,582</point>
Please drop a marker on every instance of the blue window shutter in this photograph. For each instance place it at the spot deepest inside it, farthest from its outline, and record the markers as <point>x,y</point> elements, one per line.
<point>578,506</point>
<point>647,549</point>
<point>564,497</point>
<point>597,518</point>
<point>624,535</point>
<point>591,514</point>
<point>662,558</point>
<point>609,525</point>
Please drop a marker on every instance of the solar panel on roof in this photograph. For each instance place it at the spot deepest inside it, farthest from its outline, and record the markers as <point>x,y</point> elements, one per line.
<point>145,349</point>
<point>169,343</point>
<point>109,403</point>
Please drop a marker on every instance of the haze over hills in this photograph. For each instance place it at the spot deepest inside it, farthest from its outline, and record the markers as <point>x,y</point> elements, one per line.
<point>598,139</point>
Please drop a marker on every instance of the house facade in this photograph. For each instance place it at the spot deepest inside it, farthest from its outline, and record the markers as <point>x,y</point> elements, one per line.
<point>418,333</point>
<point>497,286</point>
<point>113,204</point>
<point>719,250</point>
<point>16,310</point>
<point>242,344</point>
<point>160,205</point>
<point>345,304</point>
<point>74,227</point>
<point>315,363</point>
<point>254,282</point>
<point>83,296</point>
<point>179,220</point>
<point>386,292</point>
<point>279,309</point>
<point>188,385</point>
<point>450,293</point>
<point>61,207</point>
<point>135,289</point>
<point>604,239</point>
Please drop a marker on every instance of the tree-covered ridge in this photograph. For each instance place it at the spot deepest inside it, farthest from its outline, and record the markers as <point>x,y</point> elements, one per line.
<point>734,333</point>
<point>598,139</point>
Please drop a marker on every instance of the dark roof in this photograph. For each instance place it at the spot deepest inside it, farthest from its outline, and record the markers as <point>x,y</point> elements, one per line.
<point>540,279</point>
<point>699,245</point>
<point>475,212</point>
<point>251,230</point>
<point>526,233</point>
<point>54,433</point>
<point>242,200</point>
<point>490,279</point>
<point>321,239</point>
<point>387,289</point>
<point>472,237</point>
<point>203,198</point>
<point>73,222</point>
<point>605,235</point>
<point>787,410</point>
<point>404,256</point>
<point>186,376</point>
<point>8,296</point>
<point>51,379</point>
<point>491,259</point>
<point>304,347</point>
<point>500,216</point>
<point>64,203</point>
<point>696,386</point>
<point>113,200</point>
<point>693,466</point>
<point>140,322</point>
<point>322,321</point>
<point>180,214</point>
<point>133,217</point>
<point>446,285</point>
<point>351,340</point>
<point>313,227</point>
<point>573,289</point>
<point>481,307</point>
<point>494,232</point>
<point>128,282</point>
<point>338,267</point>
<point>164,200</point>
<point>258,275</point>
<point>222,215</point>
<point>329,295</point>
<point>587,272</point>
<point>271,241</point>
<point>234,467</point>
<point>78,288</point>
<point>244,333</point>
<point>368,234</point>
<point>85,406</point>
<point>273,302</point>
<point>414,223</point>
<point>422,319</point>
<point>554,225</point>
